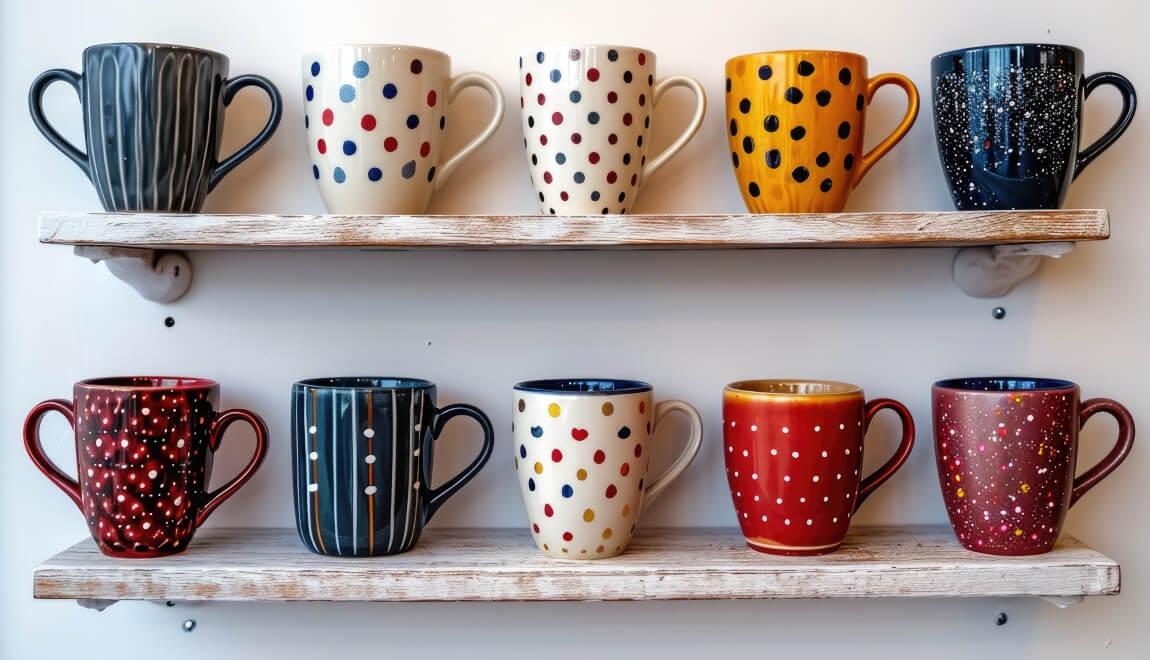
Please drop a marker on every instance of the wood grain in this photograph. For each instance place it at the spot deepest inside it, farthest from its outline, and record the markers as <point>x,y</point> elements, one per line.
<point>507,232</point>
<point>503,565</point>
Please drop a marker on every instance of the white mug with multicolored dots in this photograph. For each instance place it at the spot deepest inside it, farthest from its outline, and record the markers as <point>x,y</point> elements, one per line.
<point>587,123</point>
<point>582,449</point>
<point>376,117</point>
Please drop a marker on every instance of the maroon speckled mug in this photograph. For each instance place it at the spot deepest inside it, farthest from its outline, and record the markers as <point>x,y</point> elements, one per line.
<point>1006,451</point>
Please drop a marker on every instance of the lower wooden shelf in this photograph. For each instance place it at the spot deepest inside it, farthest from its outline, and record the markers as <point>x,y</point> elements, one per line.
<point>503,565</point>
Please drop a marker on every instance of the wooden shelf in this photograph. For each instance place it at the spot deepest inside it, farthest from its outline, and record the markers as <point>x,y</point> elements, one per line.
<point>503,565</point>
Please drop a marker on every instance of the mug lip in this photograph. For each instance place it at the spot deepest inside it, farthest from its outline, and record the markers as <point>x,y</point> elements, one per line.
<point>157,44</point>
<point>754,387</point>
<point>328,48</point>
<point>795,51</point>
<point>1022,44</point>
<point>968,384</point>
<point>134,383</point>
<point>365,383</point>
<point>560,386</point>
<point>530,52</point>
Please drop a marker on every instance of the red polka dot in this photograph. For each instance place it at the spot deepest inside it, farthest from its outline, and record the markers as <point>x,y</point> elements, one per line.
<point>576,138</point>
<point>548,511</point>
<point>535,526</point>
<point>367,123</point>
<point>425,149</point>
<point>627,119</point>
<point>592,74</point>
<point>612,138</point>
<point>547,177</point>
<point>528,80</point>
<point>642,407</point>
<point>557,118</point>
<point>593,157</point>
<point>432,97</point>
<point>328,117</point>
<point>611,177</point>
<point>391,144</point>
<point>541,99</point>
<point>563,195</point>
<point>638,451</point>
<point>612,491</point>
<point>556,455</point>
<point>642,58</point>
<point>322,146</point>
<point>543,140</point>
<point>634,178</point>
<point>600,456</point>
<point>642,100</point>
<point>568,536</point>
<point>625,469</point>
<point>612,97</point>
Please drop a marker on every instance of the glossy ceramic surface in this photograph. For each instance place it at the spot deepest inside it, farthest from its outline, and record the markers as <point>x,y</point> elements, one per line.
<point>362,457</point>
<point>587,113</point>
<point>1007,450</point>
<point>144,448</point>
<point>794,451</point>
<point>376,119</point>
<point>1008,120</point>
<point>582,449</point>
<point>795,124</point>
<point>153,121</point>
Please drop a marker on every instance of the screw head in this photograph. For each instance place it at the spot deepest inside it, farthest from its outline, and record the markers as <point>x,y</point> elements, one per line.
<point>190,625</point>
<point>999,313</point>
<point>169,322</point>
<point>1001,619</point>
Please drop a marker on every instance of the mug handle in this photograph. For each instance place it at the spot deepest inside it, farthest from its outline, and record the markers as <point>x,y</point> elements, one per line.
<point>458,84</point>
<point>437,496</point>
<point>879,476</point>
<point>872,86</point>
<point>36,451</point>
<point>243,153</point>
<point>227,490</point>
<point>36,108</point>
<point>694,441</point>
<point>1121,450</point>
<point>661,88</point>
<point>1129,105</point>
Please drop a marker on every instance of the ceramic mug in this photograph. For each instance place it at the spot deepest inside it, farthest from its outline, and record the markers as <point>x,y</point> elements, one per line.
<point>582,449</point>
<point>795,127</point>
<point>587,113</point>
<point>362,456</point>
<point>794,452</point>
<point>1008,120</point>
<point>144,449</point>
<point>376,116</point>
<point>153,122</point>
<point>1007,451</point>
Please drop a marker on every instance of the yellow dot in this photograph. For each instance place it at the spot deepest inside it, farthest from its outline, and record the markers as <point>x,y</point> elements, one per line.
<point>1024,488</point>
<point>522,405</point>
<point>588,515</point>
<point>1017,532</point>
<point>626,510</point>
<point>581,474</point>
<point>958,477</point>
<point>961,493</point>
<point>1018,399</point>
<point>607,533</point>
<point>545,547</point>
<point>538,467</point>
<point>553,410</point>
<point>608,408</point>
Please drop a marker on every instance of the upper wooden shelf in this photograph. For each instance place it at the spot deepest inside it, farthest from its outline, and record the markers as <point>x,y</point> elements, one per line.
<point>503,565</point>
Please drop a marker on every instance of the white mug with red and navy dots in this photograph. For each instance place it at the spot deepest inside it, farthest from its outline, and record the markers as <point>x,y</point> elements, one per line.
<point>587,113</point>
<point>582,449</point>
<point>376,118</point>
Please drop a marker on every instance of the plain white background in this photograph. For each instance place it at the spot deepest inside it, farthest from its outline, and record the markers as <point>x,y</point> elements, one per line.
<point>476,323</point>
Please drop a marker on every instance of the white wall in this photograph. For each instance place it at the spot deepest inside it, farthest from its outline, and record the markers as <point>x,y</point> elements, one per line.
<point>476,323</point>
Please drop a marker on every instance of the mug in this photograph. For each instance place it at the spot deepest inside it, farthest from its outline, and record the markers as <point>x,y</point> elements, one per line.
<point>1007,450</point>
<point>587,113</point>
<point>153,122</point>
<point>794,451</point>
<point>1008,120</point>
<point>582,449</point>
<point>795,127</point>
<point>144,449</point>
<point>362,453</point>
<point>375,116</point>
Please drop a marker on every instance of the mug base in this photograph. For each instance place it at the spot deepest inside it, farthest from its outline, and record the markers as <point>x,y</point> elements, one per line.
<point>566,556</point>
<point>791,550</point>
<point>1009,552</point>
<point>141,554</point>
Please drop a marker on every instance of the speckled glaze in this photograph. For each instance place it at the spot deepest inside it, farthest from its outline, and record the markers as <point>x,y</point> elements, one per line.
<point>1008,120</point>
<point>794,454</point>
<point>1007,450</point>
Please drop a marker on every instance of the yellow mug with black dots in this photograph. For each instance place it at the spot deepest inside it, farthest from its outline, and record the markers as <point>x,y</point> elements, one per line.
<point>795,125</point>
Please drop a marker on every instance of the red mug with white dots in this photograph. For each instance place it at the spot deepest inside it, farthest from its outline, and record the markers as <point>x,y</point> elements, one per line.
<point>144,448</point>
<point>794,451</point>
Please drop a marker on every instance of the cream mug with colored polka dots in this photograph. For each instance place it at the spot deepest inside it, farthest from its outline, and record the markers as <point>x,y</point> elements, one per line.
<point>582,449</point>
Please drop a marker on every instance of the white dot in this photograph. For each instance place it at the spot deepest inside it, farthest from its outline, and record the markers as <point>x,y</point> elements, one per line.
<point>754,427</point>
<point>119,498</point>
<point>180,443</point>
<point>774,452</point>
<point>818,428</point>
<point>152,474</point>
<point>313,456</point>
<point>369,459</point>
<point>755,475</point>
<point>732,423</point>
<point>416,452</point>
<point>764,518</point>
<point>746,453</point>
<point>1030,418</point>
<point>786,477</point>
<point>848,496</point>
<point>367,433</point>
<point>778,500</point>
<point>756,498</point>
<point>145,411</point>
<point>824,453</point>
<point>842,426</point>
<point>178,500</point>
<point>786,430</point>
<point>730,449</point>
<point>815,478</point>
<point>736,473</point>
<point>311,488</point>
<point>124,442</point>
<point>794,454</point>
<point>810,522</point>
<point>835,519</point>
<point>802,500</point>
<point>147,525</point>
<point>91,472</point>
<point>311,429</point>
<point>744,515</point>
<point>786,521</point>
<point>826,498</point>
<point>99,442</point>
<point>839,476</point>
<point>418,426</point>
<point>370,490</point>
<point>847,451</point>
<point>415,486</point>
<point>738,493</point>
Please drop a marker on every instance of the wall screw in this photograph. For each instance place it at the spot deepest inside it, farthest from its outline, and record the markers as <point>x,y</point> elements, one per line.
<point>1000,620</point>
<point>190,625</point>
<point>169,322</point>
<point>170,603</point>
<point>999,313</point>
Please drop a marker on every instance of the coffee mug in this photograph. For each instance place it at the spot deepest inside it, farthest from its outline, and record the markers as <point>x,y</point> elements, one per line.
<point>153,122</point>
<point>1008,120</point>
<point>144,449</point>
<point>582,449</point>
<point>795,125</point>
<point>794,451</point>
<point>362,456</point>
<point>587,113</point>
<point>1007,451</point>
<point>376,116</point>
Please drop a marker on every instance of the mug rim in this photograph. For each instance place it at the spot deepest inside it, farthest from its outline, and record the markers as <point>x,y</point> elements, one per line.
<point>148,383</point>
<point>795,51</point>
<point>560,386</point>
<point>835,387</point>
<point>1022,44</point>
<point>365,383</point>
<point>584,46</point>
<point>157,44</point>
<point>1039,384</point>
<point>327,48</point>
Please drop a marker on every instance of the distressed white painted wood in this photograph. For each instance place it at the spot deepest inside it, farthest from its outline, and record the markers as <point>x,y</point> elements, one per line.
<point>503,565</point>
<point>506,232</point>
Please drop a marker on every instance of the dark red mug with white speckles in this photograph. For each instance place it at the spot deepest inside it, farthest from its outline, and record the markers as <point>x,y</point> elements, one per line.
<point>1007,451</point>
<point>144,448</point>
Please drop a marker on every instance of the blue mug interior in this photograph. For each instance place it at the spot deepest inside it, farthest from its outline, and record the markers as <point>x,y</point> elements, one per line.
<point>583,386</point>
<point>368,383</point>
<point>1004,384</point>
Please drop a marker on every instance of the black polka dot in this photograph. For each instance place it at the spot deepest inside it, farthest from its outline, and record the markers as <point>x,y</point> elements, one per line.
<point>771,124</point>
<point>798,133</point>
<point>753,188</point>
<point>606,210</point>
<point>612,54</point>
<point>806,68</point>
<point>793,94</point>
<point>650,81</point>
<point>534,159</point>
<point>431,174</point>
<point>825,186</point>
<point>823,98</point>
<point>823,159</point>
<point>728,85</point>
<point>745,106</point>
<point>626,159</point>
<point>627,77</point>
<point>735,159</point>
<point>845,130</point>
<point>530,122</point>
<point>748,144</point>
<point>541,197</point>
<point>408,170</point>
<point>639,141</point>
<point>860,102</point>
<point>764,73</point>
<point>849,162</point>
<point>623,195</point>
<point>552,211</point>
<point>845,76</point>
<point>734,128</point>
<point>774,159</point>
<point>594,195</point>
<point>647,121</point>
<point>800,174</point>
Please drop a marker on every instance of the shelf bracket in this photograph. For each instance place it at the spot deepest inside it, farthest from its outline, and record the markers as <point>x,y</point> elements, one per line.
<point>1064,602</point>
<point>161,277</point>
<point>98,604</point>
<point>992,272</point>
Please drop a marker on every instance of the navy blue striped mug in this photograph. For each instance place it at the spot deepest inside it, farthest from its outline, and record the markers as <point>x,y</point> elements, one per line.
<point>361,459</point>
